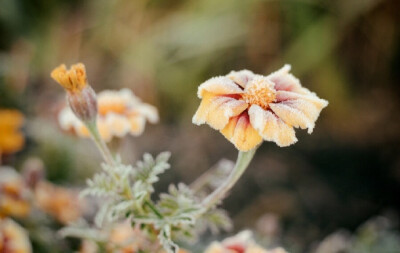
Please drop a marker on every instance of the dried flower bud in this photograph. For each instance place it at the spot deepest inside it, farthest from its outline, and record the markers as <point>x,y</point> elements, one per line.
<point>84,104</point>
<point>80,96</point>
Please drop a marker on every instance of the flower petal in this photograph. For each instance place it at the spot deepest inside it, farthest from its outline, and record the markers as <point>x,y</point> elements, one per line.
<point>285,81</point>
<point>293,115</point>
<point>240,132</point>
<point>270,127</point>
<point>241,77</point>
<point>137,124</point>
<point>118,125</point>
<point>220,85</point>
<point>149,112</point>
<point>216,110</point>
<point>311,97</point>
<point>310,105</point>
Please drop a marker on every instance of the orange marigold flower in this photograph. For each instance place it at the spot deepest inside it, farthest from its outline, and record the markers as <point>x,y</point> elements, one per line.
<point>248,108</point>
<point>59,202</point>
<point>119,113</point>
<point>11,139</point>
<point>13,238</point>
<point>14,194</point>
<point>80,96</point>
<point>240,243</point>
<point>73,80</point>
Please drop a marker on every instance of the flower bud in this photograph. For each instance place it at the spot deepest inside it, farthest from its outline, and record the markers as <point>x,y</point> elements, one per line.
<point>80,96</point>
<point>84,104</point>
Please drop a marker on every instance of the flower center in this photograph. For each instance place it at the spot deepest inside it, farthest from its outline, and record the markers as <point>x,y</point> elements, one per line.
<point>259,91</point>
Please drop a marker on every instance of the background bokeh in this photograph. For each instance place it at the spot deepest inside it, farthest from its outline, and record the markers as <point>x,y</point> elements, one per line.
<point>348,52</point>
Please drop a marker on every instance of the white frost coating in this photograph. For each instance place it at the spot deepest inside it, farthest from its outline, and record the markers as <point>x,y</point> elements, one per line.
<point>219,85</point>
<point>270,127</point>
<point>292,116</point>
<point>218,113</point>
<point>221,110</point>
<point>241,77</point>
<point>282,71</point>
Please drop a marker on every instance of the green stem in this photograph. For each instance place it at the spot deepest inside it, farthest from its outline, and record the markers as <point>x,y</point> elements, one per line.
<point>243,160</point>
<point>154,209</point>
<point>101,145</point>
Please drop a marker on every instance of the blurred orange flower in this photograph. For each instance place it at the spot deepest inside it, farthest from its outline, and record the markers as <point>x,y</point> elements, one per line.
<point>248,108</point>
<point>11,139</point>
<point>13,238</point>
<point>13,194</point>
<point>120,113</point>
<point>240,243</point>
<point>59,202</point>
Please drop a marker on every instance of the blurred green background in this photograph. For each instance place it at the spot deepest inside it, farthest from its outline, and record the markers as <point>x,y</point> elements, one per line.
<point>348,52</point>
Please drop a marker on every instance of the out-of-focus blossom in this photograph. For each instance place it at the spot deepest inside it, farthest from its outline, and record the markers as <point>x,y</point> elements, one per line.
<point>88,247</point>
<point>11,139</point>
<point>59,202</point>
<point>80,96</point>
<point>335,243</point>
<point>124,239</point>
<point>240,243</point>
<point>248,108</point>
<point>13,238</point>
<point>13,194</point>
<point>120,113</point>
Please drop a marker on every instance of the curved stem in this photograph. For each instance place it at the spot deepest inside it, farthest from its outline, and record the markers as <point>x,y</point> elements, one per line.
<point>243,160</point>
<point>101,145</point>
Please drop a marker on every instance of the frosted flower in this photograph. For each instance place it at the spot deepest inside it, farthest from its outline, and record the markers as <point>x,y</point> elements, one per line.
<point>248,108</point>
<point>61,203</point>
<point>240,243</point>
<point>14,194</point>
<point>11,139</point>
<point>13,238</point>
<point>119,113</point>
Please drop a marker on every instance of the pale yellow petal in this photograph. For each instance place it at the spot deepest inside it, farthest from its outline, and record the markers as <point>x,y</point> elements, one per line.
<point>16,236</point>
<point>292,116</point>
<point>221,85</point>
<point>240,132</point>
<point>118,125</point>
<point>104,130</point>
<point>216,110</point>
<point>137,124</point>
<point>270,127</point>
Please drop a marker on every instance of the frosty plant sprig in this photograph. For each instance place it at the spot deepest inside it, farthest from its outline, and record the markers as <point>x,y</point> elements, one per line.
<point>246,108</point>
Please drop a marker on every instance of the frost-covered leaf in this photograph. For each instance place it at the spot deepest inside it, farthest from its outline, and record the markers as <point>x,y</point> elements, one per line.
<point>149,168</point>
<point>165,239</point>
<point>101,185</point>
<point>215,220</point>
<point>120,210</point>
